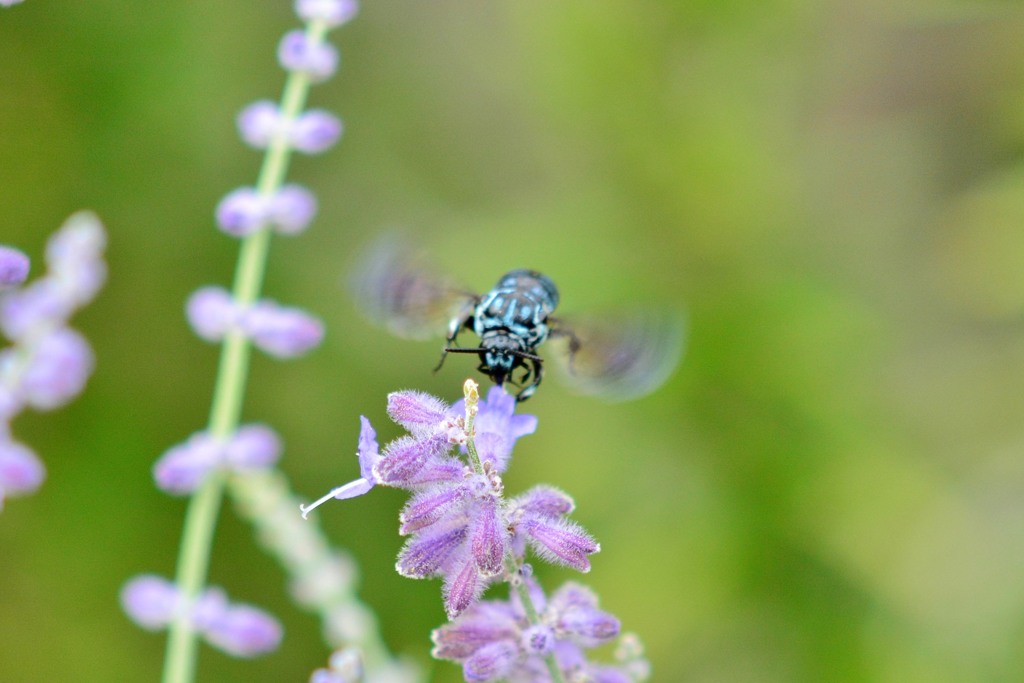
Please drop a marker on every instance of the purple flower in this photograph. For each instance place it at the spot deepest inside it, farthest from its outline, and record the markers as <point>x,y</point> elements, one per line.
<point>494,640</point>
<point>241,630</point>
<point>245,211</point>
<point>48,363</point>
<point>311,132</point>
<point>241,212</point>
<point>277,330</point>
<point>420,413</point>
<point>57,370</point>
<point>297,52</point>
<point>332,12</point>
<point>368,455</point>
<point>280,331</point>
<point>38,306</point>
<point>292,209</point>
<point>20,470</point>
<point>150,601</point>
<point>460,529</point>
<point>212,312</point>
<point>14,266</point>
<point>497,427</point>
<point>184,467</point>
<point>315,131</point>
<point>74,256</point>
<point>259,123</point>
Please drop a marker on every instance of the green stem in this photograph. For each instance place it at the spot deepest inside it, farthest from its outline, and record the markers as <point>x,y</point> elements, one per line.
<point>512,568</point>
<point>228,394</point>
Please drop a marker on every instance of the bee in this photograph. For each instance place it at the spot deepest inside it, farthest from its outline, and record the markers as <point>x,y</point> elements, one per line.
<point>615,356</point>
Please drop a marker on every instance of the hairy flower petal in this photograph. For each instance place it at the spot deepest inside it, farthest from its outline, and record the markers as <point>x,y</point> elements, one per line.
<point>462,588</point>
<point>426,554</point>
<point>488,537</point>
<point>405,457</point>
<point>419,412</point>
<point>560,542</point>
<point>544,501</point>
<point>429,506</point>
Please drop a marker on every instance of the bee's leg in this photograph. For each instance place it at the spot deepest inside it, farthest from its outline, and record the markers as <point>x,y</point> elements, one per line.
<point>538,375</point>
<point>454,327</point>
<point>444,354</point>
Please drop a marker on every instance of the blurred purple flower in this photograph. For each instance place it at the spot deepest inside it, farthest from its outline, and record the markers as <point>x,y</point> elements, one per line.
<point>297,52</point>
<point>311,132</point>
<point>58,369</point>
<point>21,471</point>
<point>48,363</point>
<point>182,468</point>
<point>244,211</point>
<point>259,122</point>
<point>281,331</point>
<point>74,256</point>
<point>211,312</point>
<point>240,630</point>
<point>315,131</point>
<point>332,12</point>
<point>292,209</point>
<point>14,267</point>
<point>277,330</point>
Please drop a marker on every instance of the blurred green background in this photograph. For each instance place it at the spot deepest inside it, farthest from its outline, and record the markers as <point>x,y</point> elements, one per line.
<point>831,488</point>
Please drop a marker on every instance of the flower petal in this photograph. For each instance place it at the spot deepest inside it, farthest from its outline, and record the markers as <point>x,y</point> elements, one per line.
<point>488,537</point>
<point>426,554</point>
<point>462,588</point>
<point>560,542</point>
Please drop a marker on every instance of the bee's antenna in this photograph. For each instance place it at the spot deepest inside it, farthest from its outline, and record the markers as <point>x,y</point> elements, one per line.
<point>454,349</point>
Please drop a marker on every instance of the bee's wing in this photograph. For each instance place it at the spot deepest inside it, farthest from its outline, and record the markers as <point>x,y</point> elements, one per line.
<point>619,356</point>
<point>396,287</point>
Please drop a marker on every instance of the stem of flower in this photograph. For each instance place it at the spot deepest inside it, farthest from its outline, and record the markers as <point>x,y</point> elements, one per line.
<point>471,391</point>
<point>228,393</point>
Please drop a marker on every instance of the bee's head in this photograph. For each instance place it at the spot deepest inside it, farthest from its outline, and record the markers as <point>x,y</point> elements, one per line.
<point>500,355</point>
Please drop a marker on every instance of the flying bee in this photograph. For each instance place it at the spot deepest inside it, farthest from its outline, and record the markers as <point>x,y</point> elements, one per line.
<point>616,356</point>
